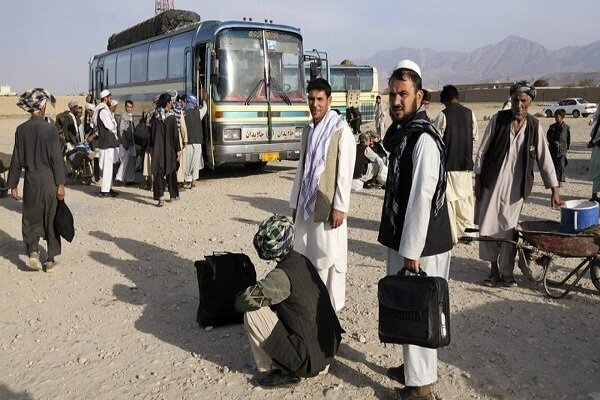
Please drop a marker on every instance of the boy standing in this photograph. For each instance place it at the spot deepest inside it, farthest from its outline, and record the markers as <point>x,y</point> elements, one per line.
<point>559,141</point>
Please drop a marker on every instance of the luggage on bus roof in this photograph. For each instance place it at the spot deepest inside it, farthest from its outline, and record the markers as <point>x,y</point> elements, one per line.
<point>160,24</point>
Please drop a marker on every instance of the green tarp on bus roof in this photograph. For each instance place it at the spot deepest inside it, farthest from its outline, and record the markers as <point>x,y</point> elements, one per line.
<point>160,24</point>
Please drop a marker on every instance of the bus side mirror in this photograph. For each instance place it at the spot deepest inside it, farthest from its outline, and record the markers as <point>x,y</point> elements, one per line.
<point>315,69</point>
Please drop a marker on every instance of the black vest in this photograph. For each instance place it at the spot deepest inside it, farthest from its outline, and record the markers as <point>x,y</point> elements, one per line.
<point>360,166</point>
<point>308,333</point>
<point>439,238</point>
<point>106,139</point>
<point>458,138</point>
<point>498,149</point>
<point>194,126</point>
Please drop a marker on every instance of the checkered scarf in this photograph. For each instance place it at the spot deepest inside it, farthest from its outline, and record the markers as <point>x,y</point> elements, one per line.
<point>275,237</point>
<point>395,141</point>
<point>34,100</point>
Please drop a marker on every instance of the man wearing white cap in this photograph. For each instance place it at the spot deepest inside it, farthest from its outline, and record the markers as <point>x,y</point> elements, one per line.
<point>107,142</point>
<point>419,239</point>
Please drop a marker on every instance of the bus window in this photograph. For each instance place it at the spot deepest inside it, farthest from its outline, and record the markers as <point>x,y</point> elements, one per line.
<point>241,66</point>
<point>352,82</point>
<point>337,82</point>
<point>110,63</point>
<point>366,79</point>
<point>157,60</point>
<point>286,77</point>
<point>176,54</point>
<point>139,64</point>
<point>123,67</point>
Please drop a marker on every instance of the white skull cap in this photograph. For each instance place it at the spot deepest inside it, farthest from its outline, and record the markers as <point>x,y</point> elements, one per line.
<point>409,64</point>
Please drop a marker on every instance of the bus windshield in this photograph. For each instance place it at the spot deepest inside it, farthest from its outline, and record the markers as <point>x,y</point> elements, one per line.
<point>245,56</point>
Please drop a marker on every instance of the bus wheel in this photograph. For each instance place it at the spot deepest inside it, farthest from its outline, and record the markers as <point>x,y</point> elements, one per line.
<point>256,166</point>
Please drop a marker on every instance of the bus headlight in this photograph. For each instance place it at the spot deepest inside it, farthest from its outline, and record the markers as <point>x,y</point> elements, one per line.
<point>298,132</point>
<point>232,134</point>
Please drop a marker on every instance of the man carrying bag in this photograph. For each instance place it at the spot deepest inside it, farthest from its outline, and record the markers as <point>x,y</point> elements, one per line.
<point>419,239</point>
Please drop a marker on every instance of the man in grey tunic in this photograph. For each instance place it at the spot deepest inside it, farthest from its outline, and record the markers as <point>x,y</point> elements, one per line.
<point>513,141</point>
<point>38,152</point>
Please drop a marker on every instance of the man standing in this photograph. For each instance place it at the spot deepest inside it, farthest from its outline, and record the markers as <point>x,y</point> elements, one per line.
<point>127,153</point>
<point>193,161</point>
<point>559,141</point>
<point>414,222</point>
<point>38,151</point>
<point>513,141</point>
<point>379,117</point>
<point>164,142</point>
<point>320,196</point>
<point>106,142</point>
<point>458,127</point>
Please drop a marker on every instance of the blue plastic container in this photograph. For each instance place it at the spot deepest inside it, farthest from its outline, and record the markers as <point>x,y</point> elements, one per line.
<point>576,215</point>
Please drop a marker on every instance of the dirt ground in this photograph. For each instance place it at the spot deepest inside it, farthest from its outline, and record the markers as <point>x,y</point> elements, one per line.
<point>117,318</point>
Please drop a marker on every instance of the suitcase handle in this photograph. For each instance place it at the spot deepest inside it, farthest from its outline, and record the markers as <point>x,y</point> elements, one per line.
<point>421,273</point>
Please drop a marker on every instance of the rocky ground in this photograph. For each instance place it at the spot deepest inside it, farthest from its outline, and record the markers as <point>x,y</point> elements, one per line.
<point>117,318</point>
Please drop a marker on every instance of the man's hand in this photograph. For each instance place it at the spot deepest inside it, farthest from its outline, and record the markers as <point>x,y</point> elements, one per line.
<point>337,218</point>
<point>477,188</point>
<point>412,265</point>
<point>555,200</point>
<point>14,193</point>
<point>60,192</point>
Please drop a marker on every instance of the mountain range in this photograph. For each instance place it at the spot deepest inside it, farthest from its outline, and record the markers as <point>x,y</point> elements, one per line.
<point>508,60</point>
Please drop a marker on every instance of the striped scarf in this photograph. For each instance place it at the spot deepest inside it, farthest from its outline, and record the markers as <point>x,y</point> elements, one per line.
<point>314,158</point>
<point>395,141</point>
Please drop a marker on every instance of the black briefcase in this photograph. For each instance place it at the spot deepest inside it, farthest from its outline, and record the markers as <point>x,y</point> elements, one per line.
<point>220,277</point>
<point>414,309</point>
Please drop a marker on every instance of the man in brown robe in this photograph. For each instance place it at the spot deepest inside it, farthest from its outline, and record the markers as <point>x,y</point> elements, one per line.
<point>38,152</point>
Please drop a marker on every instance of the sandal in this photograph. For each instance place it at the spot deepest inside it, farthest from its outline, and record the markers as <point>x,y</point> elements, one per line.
<point>491,281</point>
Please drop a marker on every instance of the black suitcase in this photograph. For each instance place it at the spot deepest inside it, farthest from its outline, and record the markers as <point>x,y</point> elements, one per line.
<point>220,277</point>
<point>414,309</point>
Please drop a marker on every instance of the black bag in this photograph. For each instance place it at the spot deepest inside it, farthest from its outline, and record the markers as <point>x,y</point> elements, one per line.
<point>414,309</point>
<point>63,221</point>
<point>220,277</point>
<point>141,134</point>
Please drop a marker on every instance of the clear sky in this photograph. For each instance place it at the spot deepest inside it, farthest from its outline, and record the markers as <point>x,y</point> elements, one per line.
<point>49,42</point>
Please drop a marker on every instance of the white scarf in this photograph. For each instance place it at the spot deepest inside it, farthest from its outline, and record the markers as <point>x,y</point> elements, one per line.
<point>314,158</point>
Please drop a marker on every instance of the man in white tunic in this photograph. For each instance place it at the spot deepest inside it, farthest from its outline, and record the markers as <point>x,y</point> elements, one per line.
<point>419,239</point>
<point>513,141</point>
<point>107,142</point>
<point>320,197</point>
<point>379,116</point>
<point>458,126</point>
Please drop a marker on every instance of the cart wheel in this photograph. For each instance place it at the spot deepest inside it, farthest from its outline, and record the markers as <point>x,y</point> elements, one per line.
<point>595,273</point>
<point>553,287</point>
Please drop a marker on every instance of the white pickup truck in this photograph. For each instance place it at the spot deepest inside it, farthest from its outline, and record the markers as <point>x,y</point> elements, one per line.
<point>572,106</point>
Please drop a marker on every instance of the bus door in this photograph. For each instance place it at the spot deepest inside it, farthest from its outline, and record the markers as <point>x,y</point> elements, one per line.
<point>98,81</point>
<point>206,63</point>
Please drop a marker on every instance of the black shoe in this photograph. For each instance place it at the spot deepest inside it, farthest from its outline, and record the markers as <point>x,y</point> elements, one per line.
<point>113,193</point>
<point>277,378</point>
<point>117,183</point>
<point>103,194</point>
<point>397,374</point>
